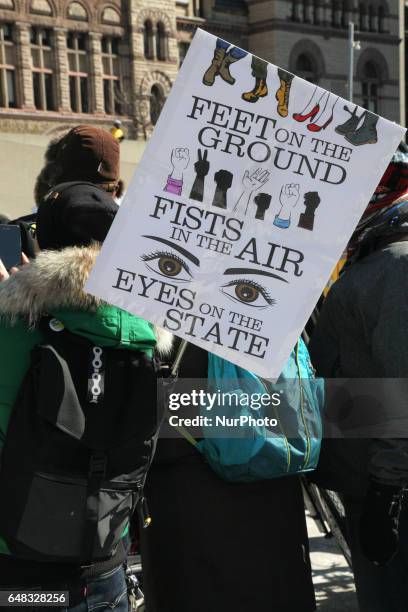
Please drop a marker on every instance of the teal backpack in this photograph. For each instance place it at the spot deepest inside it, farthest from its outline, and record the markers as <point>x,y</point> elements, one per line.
<point>255,452</point>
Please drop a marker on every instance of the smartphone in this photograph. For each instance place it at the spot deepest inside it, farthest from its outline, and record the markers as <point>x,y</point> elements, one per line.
<point>10,245</point>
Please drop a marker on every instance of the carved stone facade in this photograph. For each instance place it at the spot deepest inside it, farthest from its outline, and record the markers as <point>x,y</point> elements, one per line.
<point>68,61</point>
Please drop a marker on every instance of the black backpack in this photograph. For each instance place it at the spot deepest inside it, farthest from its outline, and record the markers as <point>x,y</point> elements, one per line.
<point>81,438</point>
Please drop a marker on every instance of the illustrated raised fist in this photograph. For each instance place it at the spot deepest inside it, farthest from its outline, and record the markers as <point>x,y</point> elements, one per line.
<point>289,197</point>
<point>180,159</point>
<point>223,180</point>
<point>262,201</point>
<point>307,218</point>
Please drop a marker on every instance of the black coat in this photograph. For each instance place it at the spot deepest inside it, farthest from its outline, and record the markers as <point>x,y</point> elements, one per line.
<point>362,333</point>
<point>216,546</point>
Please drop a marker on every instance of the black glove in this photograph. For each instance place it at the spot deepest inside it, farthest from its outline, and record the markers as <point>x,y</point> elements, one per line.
<point>202,167</point>
<point>262,201</point>
<point>223,180</point>
<point>379,536</point>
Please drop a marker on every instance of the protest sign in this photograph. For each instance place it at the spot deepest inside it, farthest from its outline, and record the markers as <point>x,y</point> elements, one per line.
<point>243,202</point>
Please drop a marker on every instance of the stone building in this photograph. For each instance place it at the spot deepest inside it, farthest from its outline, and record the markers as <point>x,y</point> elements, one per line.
<point>65,61</point>
<point>69,61</point>
<point>310,38</point>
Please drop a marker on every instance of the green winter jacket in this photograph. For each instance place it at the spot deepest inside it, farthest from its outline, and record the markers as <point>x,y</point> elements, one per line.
<point>53,285</point>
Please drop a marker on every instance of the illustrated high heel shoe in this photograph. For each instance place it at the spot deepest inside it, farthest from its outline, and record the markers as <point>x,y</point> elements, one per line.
<point>313,127</point>
<point>299,117</point>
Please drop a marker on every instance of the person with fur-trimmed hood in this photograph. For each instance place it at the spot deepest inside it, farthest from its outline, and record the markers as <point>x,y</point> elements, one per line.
<point>72,221</point>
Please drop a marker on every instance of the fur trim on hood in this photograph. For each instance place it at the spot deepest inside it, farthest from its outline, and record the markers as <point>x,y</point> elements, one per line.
<point>53,281</point>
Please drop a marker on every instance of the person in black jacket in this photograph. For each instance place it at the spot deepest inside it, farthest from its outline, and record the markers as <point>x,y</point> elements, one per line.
<point>362,332</point>
<point>215,546</point>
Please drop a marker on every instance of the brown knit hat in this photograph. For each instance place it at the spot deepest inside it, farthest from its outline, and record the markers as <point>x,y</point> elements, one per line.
<point>90,154</point>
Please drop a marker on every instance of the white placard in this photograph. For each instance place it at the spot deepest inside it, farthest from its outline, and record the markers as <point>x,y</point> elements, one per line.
<point>243,202</point>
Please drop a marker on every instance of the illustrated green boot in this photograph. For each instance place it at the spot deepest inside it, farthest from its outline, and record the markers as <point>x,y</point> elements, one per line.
<point>214,69</point>
<point>224,68</point>
<point>350,125</point>
<point>367,133</point>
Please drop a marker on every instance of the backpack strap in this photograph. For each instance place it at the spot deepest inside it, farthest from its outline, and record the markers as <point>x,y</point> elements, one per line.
<point>186,435</point>
<point>98,462</point>
<point>55,333</point>
<point>179,357</point>
<point>174,375</point>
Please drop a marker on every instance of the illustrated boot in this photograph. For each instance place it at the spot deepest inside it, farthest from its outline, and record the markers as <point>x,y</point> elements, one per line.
<point>282,96</point>
<point>259,91</point>
<point>350,125</point>
<point>224,68</point>
<point>214,69</point>
<point>367,133</point>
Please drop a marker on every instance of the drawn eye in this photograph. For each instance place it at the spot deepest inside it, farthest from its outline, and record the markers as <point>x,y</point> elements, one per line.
<point>248,292</point>
<point>168,264</point>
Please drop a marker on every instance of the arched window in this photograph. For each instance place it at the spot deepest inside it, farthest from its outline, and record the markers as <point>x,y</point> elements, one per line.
<point>42,7</point>
<point>370,86</point>
<point>148,39</point>
<point>77,11</point>
<point>110,16</point>
<point>157,100</point>
<point>305,69</point>
<point>161,42</point>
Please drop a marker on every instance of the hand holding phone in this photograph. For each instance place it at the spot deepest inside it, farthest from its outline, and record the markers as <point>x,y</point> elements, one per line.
<point>10,245</point>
